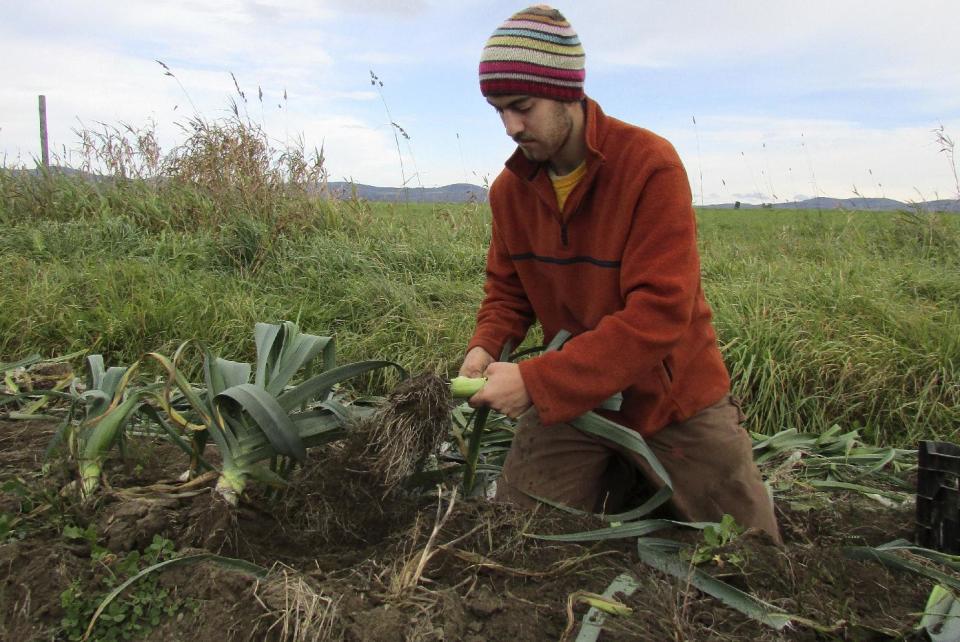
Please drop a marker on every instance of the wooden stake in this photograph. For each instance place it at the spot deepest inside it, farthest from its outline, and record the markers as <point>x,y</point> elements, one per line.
<point>44,149</point>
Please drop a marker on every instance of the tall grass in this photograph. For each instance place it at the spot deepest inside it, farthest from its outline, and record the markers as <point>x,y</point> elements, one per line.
<point>839,318</point>
<point>824,317</point>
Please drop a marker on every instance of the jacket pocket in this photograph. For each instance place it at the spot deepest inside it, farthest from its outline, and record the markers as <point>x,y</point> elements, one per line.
<point>666,375</point>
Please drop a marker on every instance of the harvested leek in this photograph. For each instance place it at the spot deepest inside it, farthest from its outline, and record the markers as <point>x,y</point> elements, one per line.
<point>466,387</point>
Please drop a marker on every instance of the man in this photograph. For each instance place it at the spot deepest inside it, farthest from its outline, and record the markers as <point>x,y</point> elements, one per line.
<point>594,233</point>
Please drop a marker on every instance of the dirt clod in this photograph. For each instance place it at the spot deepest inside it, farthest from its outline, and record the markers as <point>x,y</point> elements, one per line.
<point>131,524</point>
<point>483,603</point>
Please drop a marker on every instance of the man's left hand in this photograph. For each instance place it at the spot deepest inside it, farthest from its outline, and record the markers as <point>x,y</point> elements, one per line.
<point>504,390</point>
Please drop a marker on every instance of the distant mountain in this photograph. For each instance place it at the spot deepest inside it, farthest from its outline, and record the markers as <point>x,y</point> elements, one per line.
<point>53,169</point>
<point>943,205</point>
<point>456,193</point>
<point>870,204</point>
<point>467,193</point>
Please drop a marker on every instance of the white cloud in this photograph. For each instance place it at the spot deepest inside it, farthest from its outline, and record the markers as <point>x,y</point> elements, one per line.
<point>405,8</point>
<point>355,150</point>
<point>749,28</point>
<point>377,57</point>
<point>848,42</point>
<point>101,67</point>
<point>95,62</point>
<point>769,159</point>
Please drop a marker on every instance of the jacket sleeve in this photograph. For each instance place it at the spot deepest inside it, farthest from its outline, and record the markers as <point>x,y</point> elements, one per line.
<point>505,313</point>
<point>659,281</point>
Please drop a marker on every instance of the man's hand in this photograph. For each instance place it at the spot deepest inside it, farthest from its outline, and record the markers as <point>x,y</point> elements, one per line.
<point>475,363</point>
<point>504,391</point>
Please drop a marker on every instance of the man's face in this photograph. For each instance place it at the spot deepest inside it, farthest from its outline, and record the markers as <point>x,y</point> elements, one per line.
<point>540,126</point>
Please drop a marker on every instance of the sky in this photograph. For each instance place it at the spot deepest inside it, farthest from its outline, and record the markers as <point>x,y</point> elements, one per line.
<point>765,101</point>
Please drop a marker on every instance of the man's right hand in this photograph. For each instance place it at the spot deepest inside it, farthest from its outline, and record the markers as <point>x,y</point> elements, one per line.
<point>475,362</point>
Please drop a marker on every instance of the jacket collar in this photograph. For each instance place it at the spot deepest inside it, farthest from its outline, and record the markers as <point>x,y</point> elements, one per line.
<point>595,132</point>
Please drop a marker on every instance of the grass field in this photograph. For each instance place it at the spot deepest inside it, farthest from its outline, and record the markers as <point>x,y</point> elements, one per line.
<point>825,318</point>
<point>832,317</point>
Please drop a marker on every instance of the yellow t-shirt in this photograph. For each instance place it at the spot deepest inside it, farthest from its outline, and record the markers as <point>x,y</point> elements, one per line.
<point>563,185</point>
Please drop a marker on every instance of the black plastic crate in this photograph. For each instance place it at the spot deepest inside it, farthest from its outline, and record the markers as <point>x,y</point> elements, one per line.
<point>938,496</point>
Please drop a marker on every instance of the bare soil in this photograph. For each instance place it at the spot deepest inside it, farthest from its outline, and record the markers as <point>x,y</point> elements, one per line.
<point>344,560</point>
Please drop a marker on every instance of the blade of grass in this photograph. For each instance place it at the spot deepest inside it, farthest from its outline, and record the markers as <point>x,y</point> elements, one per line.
<point>22,363</point>
<point>941,615</point>
<point>594,424</point>
<point>858,488</point>
<point>888,557</point>
<point>622,584</point>
<point>662,555</point>
<point>230,563</point>
<point>621,531</point>
<point>320,385</point>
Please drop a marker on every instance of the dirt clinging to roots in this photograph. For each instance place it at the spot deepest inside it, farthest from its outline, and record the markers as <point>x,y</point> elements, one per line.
<point>410,426</point>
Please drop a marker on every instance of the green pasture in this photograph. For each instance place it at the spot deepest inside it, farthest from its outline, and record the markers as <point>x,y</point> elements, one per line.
<point>825,318</point>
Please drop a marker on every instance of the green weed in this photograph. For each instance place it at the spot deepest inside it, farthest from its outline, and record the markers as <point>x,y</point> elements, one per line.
<point>141,608</point>
<point>715,539</point>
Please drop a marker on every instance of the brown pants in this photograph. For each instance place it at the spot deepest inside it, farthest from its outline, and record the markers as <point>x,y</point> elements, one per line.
<point>709,458</point>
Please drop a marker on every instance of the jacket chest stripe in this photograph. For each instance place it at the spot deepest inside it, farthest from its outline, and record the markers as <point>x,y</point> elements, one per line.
<point>530,256</point>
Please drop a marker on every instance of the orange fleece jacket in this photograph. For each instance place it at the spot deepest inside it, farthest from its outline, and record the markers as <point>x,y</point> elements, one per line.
<point>618,268</point>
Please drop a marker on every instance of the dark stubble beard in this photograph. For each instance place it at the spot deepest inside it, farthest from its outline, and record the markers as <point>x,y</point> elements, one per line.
<point>558,133</point>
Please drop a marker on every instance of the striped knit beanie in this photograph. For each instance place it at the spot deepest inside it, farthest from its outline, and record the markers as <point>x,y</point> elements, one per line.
<point>534,53</point>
